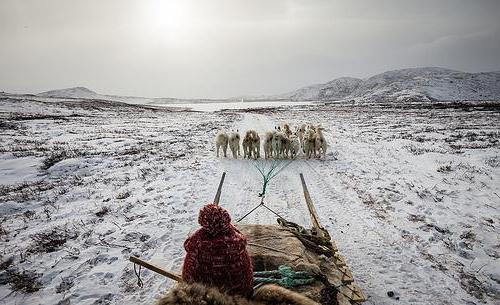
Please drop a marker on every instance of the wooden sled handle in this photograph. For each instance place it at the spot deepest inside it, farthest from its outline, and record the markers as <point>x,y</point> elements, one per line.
<point>156,269</point>
<point>219,190</point>
<point>310,206</point>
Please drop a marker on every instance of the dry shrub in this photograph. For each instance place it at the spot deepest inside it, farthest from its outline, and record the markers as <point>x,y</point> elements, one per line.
<point>51,240</point>
<point>444,168</point>
<point>7,125</point>
<point>103,211</point>
<point>25,281</point>
<point>5,264</point>
<point>53,158</point>
<point>3,232</point>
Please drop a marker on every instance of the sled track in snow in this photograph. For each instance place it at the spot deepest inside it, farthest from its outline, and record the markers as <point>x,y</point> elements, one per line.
<point>367,242</point>
<point>345,206</point>
<point>354,222</point>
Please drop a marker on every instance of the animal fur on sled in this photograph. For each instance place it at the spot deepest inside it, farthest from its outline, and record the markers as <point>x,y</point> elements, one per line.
<point>197,294</point>
<point>276,295</point>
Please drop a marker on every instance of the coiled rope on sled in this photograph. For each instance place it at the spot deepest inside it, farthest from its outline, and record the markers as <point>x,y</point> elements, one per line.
<point>311,239</point>
<point>284,276</point>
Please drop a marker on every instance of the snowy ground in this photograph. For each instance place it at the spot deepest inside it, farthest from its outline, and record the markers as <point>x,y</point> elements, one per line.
<point>411,195</point>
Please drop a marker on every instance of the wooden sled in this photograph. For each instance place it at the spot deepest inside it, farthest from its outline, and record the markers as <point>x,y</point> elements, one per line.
<point>310,250</point>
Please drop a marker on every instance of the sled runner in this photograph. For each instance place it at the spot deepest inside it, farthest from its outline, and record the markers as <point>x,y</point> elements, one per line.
<point>305,263</point>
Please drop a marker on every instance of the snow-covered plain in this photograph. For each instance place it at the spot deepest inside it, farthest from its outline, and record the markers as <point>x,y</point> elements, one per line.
<point>410,194</point>
<point>235,105</point>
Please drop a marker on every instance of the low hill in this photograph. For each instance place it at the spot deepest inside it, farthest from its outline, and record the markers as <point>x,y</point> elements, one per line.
<point>75,92</point>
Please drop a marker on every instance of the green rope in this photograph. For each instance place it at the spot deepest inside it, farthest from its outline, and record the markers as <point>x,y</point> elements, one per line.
<point>276,166</point>
<point>284,277</point>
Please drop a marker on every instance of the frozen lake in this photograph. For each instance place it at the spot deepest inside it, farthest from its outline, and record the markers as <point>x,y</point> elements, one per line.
<point>209,107</point>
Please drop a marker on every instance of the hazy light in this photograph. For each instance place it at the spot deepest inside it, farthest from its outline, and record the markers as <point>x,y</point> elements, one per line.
<point>221,48</point>
<point>168,21</point>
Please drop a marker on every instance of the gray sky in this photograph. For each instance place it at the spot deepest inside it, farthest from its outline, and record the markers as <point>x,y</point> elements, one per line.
<point>223,48</point>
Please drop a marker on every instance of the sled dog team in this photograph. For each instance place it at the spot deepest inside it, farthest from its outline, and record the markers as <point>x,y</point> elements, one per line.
<point>282,142</point>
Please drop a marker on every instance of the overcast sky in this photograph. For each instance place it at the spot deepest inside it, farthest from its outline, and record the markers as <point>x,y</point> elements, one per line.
<point>223,48</point>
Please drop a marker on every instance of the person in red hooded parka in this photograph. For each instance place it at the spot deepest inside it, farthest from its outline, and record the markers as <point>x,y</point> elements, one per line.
<point>216,254</point>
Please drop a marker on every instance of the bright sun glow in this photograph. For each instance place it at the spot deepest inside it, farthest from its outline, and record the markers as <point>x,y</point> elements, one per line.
<point>169,19</point>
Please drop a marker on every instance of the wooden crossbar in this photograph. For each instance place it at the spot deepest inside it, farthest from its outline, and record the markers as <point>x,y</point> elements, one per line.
<point>173,276</point>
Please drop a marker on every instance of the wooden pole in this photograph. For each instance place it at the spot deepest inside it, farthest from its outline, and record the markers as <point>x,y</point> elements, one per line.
<point>310,206</point>
<point>156,269</point>
<point>219,190</point>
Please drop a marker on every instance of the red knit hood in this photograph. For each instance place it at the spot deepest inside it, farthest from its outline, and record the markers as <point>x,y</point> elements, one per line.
<point>216,254</point>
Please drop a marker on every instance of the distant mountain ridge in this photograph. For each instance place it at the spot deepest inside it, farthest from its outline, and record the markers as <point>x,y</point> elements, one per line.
<point>426,84</point>
<point>336,89</point>
<point>419,84</point>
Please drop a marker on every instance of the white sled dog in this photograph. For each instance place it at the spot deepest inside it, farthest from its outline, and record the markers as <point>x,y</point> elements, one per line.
<point>221,140</point>
<point>320,142</point>
<point>285,146</point>
<point>300,134</point>
<point>247,145</point>
<point>286,130</point>
<point>278,140</point>
<point>234,143</point>
<point>310,143</point>
<point>255,144</point>
<point>294,146</point>
<point>268,145</point>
